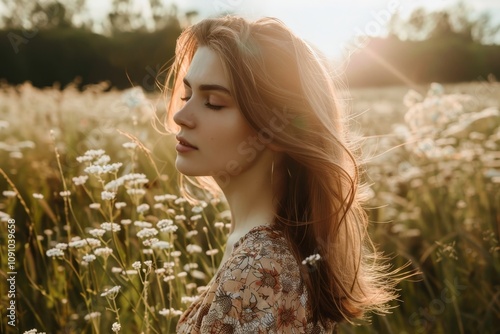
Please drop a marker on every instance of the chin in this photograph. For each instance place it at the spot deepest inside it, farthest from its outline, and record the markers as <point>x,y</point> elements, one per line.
<point>184,168</point>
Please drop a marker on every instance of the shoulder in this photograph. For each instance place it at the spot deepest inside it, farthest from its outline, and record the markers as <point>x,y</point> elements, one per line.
<point>263,253</point>
<point>260,289</point>
<point>262,269</point>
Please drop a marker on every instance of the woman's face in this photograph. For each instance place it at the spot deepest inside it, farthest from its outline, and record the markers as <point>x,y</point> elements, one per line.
<point>214,136</point>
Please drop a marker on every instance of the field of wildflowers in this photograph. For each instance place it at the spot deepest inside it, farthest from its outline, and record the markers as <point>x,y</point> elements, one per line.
<point>104,241</point>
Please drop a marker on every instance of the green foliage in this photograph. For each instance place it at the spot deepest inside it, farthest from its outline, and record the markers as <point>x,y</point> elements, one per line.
<point>60,55</point>
<point>391,62</point>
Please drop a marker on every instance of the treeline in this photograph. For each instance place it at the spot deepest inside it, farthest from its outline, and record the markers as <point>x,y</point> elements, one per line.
<point>449,45</point>
<point>138,58</point>
<point>67,54</point>
<point>390,61</point>
<point>443,46</point>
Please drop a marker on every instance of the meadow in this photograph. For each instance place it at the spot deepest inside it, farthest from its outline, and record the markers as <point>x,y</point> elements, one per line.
<point>106,243</point>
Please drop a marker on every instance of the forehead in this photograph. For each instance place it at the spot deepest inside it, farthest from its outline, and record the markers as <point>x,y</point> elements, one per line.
<point>206,68</point>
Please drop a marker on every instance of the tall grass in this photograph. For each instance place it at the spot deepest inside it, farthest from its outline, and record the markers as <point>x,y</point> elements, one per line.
<point>105,243</point>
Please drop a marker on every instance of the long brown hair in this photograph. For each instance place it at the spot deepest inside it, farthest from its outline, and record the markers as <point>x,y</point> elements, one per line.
<point>273,73</point>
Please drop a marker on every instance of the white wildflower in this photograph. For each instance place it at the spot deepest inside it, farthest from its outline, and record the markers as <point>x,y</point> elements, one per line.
<point>129,145</point>
<point>212,252</point>
<point>191,286</point>
<point>111,293</point>
<point>168,278</point>
<point>169,265</point>
<point>131,272</point>
<point>159,206</point>
<point>166,225</point>
<point>112,168</point>
<point>89,258</point>
<point>170,312</point>
<point>142,208</point>
<point>219,225</point>
<point>113,185</point>
<point>191,248</point>
<point>84,158</point>
<point>103,159</point>
<point>79,243</point>
<point>180,200</point>
<point>197,209</point>
<point>97,232</point>
<point>180,217</point>
<point>94,153</point>
<point>191,233</point>
<point>160,271</point>
<point>166,197</point>
<point>195,218</point>
<point>94,169</point>
<point>114,227</point>
<point>133,176</point>
<point>66,193</point>
<point>116,327</point>
<point>92,315</point>
<point>198,274</point>
<point>190,266</point>
<point>136,192</point>
<point>107,195</point>
<point>161,245</point>
<point>188,299</point>
<point>311,260</point>
<point>37,196</point>
<point>55,252</point>
<point>126,222</point>
<point>16,155</point>
<point>147,233</point>
<point>136,265</point>
<point>5,125</point>
<point>142,224</point>
<point>80,180</point>
<point>116,270</point>
<point>95,206</point>
<point>120,205</point>
<point>62,246</point>
<point>9,193</point>
<point>103,252</point>
<point>4,216</point>
<point>149,242</point>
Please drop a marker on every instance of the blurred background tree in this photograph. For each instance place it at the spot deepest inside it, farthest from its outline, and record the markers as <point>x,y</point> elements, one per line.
<point>60,41</point>
<point>450,45</point>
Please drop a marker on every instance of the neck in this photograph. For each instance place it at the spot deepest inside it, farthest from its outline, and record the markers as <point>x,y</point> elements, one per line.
<point>250,196</point>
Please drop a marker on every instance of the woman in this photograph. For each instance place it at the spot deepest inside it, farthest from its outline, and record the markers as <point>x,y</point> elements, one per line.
<point>254,109</point>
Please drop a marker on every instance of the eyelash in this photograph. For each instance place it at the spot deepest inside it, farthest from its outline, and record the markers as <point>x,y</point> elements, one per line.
<point>207,104</point>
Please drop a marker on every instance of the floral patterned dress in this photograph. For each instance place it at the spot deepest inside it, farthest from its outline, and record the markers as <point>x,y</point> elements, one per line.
<point>259,289</point>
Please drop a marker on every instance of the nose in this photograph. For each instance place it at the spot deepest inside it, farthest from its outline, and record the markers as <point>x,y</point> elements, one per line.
<point>184,117</point>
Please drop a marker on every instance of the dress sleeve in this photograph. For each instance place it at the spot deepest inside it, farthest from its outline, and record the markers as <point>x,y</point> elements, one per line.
<point>257,294</point>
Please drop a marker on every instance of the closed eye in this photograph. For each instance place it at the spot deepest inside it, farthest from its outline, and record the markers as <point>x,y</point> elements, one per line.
<point>185,99</point>
<point>213,107</point>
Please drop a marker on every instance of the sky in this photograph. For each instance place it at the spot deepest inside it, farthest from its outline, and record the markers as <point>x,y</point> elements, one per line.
<point>328,24</point>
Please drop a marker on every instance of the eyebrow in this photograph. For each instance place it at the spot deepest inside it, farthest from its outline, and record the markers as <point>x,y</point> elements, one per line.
<point>206,87</point>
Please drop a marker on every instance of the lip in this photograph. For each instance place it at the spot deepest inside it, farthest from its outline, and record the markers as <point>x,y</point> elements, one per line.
<point>184,145</point>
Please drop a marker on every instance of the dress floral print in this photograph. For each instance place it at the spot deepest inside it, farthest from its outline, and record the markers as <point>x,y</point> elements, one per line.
<point>257,290</point>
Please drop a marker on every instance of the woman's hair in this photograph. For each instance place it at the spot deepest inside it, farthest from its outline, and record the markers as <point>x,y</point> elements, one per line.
<point>275,74</point>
